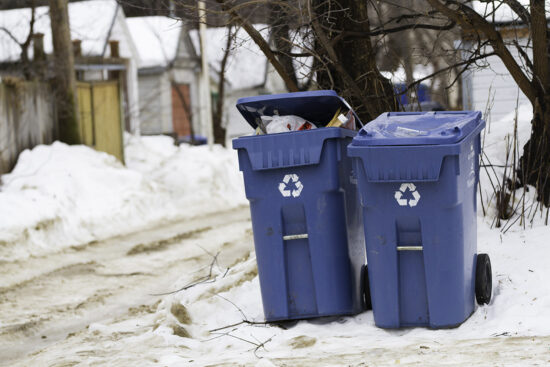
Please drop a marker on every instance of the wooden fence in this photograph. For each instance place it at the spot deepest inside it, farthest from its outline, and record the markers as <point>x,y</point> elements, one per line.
<point>27,118</point>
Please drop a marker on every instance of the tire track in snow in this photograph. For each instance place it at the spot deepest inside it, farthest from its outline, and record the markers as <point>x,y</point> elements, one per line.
<point>44,299</point>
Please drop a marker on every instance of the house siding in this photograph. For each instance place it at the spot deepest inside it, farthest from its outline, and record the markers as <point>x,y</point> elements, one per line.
<point>492,89</point>
<point>156,104</point>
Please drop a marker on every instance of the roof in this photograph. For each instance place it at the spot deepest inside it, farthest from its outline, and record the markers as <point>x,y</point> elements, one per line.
<point>156,39</point>
<point>90,22</point>
<point>247,65</point>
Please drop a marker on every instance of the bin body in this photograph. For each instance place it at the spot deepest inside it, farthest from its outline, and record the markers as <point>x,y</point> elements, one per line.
<point>306,220</point>
<point>419,210</point>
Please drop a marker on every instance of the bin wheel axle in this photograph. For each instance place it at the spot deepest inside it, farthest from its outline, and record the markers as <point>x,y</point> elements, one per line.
<point>484,283</point>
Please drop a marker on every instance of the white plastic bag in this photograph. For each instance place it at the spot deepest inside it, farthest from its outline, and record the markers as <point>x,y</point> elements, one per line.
<point>282,124</point>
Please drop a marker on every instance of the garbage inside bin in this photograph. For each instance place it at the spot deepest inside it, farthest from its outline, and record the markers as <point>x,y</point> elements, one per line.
<point>306,216</point>
<point>282,124</point>
<point>417,174</point>
<point>330,111</point>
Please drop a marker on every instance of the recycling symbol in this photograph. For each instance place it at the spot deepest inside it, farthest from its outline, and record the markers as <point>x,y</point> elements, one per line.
<point>291,185</point>
<point>403,189</point>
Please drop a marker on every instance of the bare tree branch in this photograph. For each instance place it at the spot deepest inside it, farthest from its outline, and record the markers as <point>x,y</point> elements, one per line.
<point>519,10</point>
<point>523,55</point>
<point>469,19</point>
<point>263,45</point>
<point>10,35</point>
<point>25,44</point>
<point>539,33</point>
<point>466,63</point>
<point>385,31</point>
<point>323,40</point>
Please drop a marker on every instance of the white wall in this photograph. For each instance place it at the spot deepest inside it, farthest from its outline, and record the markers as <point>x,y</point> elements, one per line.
<point>492,89</point>
<point>233,121</point>
<point>27,119</point>
<point>156,104</point>
<point>273,82</point>
<point>127,50</point>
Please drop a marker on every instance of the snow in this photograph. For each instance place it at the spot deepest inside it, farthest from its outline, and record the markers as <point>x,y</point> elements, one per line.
<point>89,21</point>
<point>518,308</point>
<point>246,67</point>
<point>156,39</point>
<point>59,196</point>
<point>70,183</point>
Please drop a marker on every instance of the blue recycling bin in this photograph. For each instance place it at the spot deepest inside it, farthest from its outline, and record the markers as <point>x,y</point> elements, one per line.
<point>417,174</point>
<point>305,210</point>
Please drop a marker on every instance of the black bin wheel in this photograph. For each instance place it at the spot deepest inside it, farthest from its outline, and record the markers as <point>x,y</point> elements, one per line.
<point>484,282</point>
<point>366,289</point>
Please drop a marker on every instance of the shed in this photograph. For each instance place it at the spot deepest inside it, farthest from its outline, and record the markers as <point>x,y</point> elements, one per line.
<point>168,76</point>
<point>94,24</point>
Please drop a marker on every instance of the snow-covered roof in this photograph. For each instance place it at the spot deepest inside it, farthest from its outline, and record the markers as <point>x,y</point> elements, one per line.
<point>499,11</point>
<point>90,22</point>
<point>156,39</point>
<point>247,64</point>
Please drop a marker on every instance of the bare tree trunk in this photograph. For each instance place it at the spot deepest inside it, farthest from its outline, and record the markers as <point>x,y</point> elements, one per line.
<point>352,69</point>
<point>280,34</point>
<point>534,165</point>
<point>65,80</point>
<point>219,130</point>
<point>535,162</point>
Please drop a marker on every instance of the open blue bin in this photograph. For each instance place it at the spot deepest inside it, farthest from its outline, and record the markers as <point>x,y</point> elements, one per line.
<point>417,174</point>
<point>305,210</point>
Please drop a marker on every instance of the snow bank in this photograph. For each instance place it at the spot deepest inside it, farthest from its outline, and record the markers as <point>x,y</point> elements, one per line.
<point>60,195</point>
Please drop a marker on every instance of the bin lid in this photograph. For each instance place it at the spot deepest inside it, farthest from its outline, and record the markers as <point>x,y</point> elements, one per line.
<point>315,106</point>
<point>418,128</point>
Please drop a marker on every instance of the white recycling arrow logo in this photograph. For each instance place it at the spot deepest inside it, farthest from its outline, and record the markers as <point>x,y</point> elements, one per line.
<point>403,189</point>
<point>285,186</point>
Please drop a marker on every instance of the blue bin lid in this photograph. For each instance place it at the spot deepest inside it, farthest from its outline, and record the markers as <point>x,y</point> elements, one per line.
<point>418,128</point>
<point>315,106</point>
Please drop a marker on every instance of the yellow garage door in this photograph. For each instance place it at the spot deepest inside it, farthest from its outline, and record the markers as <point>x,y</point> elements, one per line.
<point>101,116</point>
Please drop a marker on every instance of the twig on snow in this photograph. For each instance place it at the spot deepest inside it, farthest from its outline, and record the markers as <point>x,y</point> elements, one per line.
<point>257,344</point>
<point>203,280</point>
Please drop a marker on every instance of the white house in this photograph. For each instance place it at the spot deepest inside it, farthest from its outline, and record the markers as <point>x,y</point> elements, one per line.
<point>168,77</point>
<point>491,89</point>
<point>95,23</point>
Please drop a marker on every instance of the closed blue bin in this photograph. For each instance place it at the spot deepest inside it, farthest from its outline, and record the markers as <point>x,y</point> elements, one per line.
<point>417,174</point>
<point>305,210</point>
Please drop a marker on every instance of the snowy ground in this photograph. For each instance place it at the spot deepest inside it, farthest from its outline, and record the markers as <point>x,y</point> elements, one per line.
<point>68,298</point>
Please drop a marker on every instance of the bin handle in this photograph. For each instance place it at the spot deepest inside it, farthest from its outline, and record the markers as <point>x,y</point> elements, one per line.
<point>295,237</point>
<point>409,248</point>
